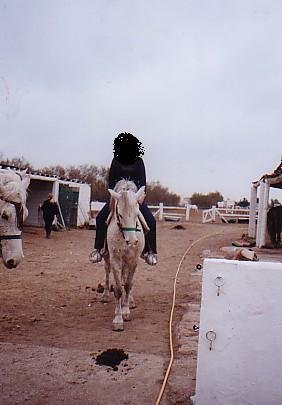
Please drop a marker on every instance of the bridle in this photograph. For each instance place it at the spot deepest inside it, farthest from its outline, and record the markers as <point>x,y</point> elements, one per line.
<point>19,219</point>
<point>124,228</point>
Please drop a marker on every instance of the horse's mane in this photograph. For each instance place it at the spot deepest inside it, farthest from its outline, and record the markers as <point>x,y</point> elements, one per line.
<point>121,185</point>
<point>11,187</point>
<point>125,185</point>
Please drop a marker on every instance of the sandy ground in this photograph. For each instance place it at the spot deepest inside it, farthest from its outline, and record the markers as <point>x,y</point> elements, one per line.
<point>53,323</point>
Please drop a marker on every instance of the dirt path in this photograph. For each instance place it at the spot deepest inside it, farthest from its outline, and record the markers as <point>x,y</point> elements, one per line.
<point>53,325</point>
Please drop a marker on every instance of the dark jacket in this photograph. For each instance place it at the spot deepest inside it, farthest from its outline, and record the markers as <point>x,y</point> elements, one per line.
<point>134,172</point>
<point>49,209</point>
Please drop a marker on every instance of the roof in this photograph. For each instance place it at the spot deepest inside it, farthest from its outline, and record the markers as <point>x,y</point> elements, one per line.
<point>42,175</point>
<point>274,179</point>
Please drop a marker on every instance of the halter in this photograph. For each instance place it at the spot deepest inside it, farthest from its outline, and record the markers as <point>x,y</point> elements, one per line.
<point>19,219</point>
<point>124,228</point>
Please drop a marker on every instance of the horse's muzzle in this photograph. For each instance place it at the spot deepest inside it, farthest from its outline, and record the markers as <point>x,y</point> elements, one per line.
<point>132,243</point>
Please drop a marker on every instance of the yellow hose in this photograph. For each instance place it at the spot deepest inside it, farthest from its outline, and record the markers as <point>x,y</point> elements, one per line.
<point>171,315</point>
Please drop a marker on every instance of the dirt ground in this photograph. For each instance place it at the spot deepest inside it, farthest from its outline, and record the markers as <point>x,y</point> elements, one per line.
<point>53,323</point>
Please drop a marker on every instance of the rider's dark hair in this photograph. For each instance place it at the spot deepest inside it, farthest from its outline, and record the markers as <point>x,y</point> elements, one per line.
<point>127,148</point>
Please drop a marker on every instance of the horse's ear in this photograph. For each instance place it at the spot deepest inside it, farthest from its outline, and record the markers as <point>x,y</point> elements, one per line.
<point>23,172</point>
<point>114,194</point>
<point>140,195</point>
<point>26,181</point>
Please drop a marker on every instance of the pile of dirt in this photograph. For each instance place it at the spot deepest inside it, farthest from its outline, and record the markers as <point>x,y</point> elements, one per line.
<point>179,227</point>
<point>111,358</point>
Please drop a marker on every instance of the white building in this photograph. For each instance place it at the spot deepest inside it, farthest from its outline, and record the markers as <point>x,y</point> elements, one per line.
<point>72,196</point>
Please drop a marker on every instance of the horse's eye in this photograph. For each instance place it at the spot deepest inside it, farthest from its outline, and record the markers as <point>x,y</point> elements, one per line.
<point>5,216</point>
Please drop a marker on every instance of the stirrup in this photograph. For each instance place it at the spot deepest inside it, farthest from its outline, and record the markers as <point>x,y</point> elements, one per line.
<point>150,258</point>
<point>96,256</point>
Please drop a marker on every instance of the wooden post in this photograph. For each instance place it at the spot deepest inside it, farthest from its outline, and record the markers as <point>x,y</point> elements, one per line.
<point>253,209</point>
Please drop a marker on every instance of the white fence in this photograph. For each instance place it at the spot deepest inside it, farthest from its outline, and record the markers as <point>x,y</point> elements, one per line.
<point>162,212</point>
<point>225,214</point>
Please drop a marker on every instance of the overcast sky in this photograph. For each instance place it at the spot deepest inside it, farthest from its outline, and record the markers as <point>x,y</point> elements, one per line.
<point>198,82</point>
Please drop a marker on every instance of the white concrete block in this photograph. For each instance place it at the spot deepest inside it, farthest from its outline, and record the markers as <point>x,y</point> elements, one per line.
<point>244,365</point>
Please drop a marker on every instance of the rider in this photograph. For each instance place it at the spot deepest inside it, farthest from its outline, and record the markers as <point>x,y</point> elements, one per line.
<point>126,164</point>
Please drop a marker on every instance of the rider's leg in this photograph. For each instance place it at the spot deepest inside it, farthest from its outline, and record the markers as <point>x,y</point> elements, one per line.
<point>150,250</point>
<point>101,232</point>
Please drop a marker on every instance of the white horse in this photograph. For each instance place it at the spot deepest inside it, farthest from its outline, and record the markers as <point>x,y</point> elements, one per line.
<point>13,212</point>
<point>125,239</point>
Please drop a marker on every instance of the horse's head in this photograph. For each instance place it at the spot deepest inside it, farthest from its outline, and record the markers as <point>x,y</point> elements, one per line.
<point>13,212</point>
<point>127,211</point>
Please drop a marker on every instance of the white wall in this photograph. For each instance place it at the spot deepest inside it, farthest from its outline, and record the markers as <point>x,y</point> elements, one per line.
<point>41,186</point>
<point>245,363</point>
<point>83,214</point>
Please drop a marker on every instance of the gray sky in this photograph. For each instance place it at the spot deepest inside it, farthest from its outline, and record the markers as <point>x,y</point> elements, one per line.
<point>198,82</point>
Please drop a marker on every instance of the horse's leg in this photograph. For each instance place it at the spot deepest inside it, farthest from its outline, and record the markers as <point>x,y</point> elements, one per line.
<point>118,319</point>
<point>276,230</point>
<point>127,288</point>
<point>132,304</point>
<point>273,233</point>
<point>279,234</point>
<point>106,293</point>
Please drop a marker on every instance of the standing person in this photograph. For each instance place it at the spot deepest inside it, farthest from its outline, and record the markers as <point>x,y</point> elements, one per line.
<point>50,209</point>
<point>126,164</point>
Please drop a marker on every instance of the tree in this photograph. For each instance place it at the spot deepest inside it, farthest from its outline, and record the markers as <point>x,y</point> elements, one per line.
<point>97,177</point>
<point>17,162</point>
<point>206,200</point>
<point>156,193</point>
<point>274,202</point>
<point>243,203</point>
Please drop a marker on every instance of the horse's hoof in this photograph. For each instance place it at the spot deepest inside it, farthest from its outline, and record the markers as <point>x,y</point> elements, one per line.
<point>105,299</point>
<point>126,317</point>
<point>117,327</point>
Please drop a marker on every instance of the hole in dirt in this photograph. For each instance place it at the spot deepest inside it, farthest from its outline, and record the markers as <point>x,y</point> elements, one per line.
<point>178,227</point>
<point>112,358</point>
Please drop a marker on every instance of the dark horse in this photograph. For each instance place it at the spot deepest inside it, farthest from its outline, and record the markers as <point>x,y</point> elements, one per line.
<point>274,225</point>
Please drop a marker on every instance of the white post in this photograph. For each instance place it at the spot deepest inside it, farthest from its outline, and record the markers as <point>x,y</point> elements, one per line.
<point>253,207</point>
<point>187,214</point>
<point>262,214</point>
<point>55,190</point>
<point>213,213</point>
<point>161,213</point>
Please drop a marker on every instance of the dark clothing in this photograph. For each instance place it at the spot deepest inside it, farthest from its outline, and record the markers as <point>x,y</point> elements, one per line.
<point>101,228</point>
<point>49,209</point>
<point>134,172</point>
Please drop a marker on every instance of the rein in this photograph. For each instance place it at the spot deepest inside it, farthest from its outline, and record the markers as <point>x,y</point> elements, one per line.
<point>131,229</point>
<point>124,228</point>
<point>19,219</point>
<point>7,237</point>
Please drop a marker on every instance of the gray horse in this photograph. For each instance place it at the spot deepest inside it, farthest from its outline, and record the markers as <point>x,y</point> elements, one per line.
<point>13,212</point>
<point>125,240</point>
<point>274,225</point>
